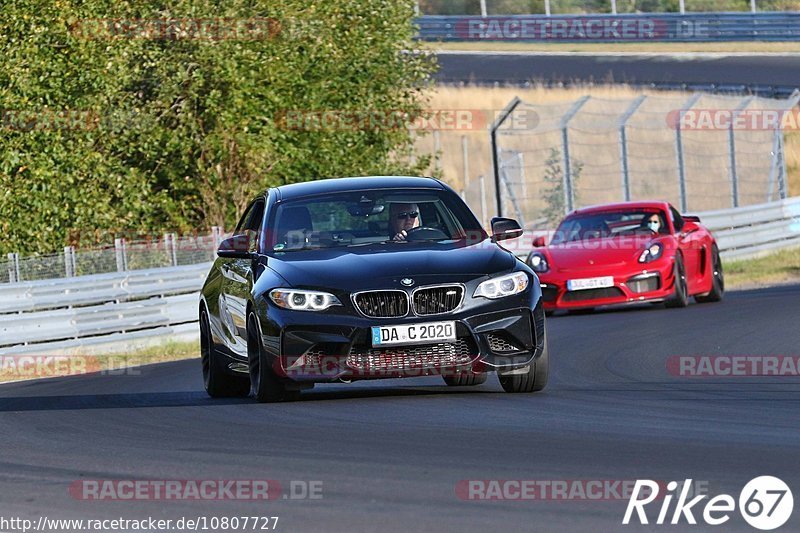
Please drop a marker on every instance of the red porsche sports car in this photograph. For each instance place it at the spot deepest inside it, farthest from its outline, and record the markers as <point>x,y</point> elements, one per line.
<point>626,253</point>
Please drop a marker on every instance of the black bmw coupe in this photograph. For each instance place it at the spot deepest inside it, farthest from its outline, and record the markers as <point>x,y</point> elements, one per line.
<point>361,278</point>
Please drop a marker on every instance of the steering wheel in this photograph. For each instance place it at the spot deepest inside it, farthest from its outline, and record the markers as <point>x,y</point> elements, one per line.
<point>425,233</point>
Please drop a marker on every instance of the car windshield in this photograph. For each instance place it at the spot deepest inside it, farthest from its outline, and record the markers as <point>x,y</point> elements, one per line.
<point>369,217</point>
<point>610,224</point>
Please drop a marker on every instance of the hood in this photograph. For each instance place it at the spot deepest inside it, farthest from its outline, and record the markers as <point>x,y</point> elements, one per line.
<point>360,267</point>
<point>597,253</point>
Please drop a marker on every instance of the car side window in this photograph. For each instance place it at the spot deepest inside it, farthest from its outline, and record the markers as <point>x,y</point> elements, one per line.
<point>242,225</point>
<point>677,219</point>
<point>256,217</point>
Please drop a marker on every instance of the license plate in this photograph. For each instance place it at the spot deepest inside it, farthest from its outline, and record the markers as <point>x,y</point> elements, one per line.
<point>413,333</point>
<point>590,283</point>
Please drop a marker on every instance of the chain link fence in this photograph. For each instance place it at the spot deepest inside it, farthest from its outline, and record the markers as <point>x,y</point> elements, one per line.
<point>702,152</point>
<point>125,255</point>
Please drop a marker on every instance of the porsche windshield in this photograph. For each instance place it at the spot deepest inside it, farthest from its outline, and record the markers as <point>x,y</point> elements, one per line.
<point>367,217</point>
<point>610,224</point>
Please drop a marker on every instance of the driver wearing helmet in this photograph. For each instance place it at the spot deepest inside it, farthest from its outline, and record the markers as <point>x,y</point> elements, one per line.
<point>402,218</point>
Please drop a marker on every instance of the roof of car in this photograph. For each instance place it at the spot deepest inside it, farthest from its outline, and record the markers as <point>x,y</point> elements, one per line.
<point>333,185</point>
<point>619,207</point>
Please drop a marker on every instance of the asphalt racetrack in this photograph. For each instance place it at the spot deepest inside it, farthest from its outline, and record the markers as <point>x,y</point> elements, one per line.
<point>391,454</point>
<point>719,69</point>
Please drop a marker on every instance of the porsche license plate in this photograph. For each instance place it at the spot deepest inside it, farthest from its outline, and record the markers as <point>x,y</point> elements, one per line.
<point>590,283</point>
<point>428,332</point>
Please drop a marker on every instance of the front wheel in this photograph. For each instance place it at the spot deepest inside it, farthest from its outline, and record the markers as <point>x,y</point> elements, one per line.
<point>717,280</point>
<point>265,386</point>
<point>217,380</point>
<point>534,380</point>
<point>680,296</point>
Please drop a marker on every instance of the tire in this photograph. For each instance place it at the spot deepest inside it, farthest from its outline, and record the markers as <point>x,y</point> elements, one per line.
<point>265,386</point>
<point>217,380</point>
<point>532,381</point>
<point>717,279</point>
<point>466,379</point>
<point>680,296</point>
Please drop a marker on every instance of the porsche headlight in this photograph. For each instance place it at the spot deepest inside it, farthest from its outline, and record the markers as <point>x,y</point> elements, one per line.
<point>651,253</point>
<point>503,286</point>
<point>538,262</point>
<point>300,300</point>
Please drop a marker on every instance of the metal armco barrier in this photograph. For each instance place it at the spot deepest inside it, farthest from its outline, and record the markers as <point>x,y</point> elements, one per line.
<point>640,27</point>
<point>50,315</point>
<point>43,316</point>
<point>755,229</point>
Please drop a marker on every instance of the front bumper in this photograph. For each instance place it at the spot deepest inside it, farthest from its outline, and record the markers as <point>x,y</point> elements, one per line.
<point>506,334</point>
<point>649,282</point>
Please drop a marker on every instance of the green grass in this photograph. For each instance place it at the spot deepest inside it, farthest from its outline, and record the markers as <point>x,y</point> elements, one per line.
<point>779,267</point>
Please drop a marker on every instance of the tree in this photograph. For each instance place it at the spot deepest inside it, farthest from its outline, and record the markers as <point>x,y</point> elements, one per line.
<point>143,115</point>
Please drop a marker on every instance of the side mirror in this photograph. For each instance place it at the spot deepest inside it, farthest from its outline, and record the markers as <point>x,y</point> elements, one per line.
<point>505,228</point>
<point>236,247</point>
<point>691,218</point>
<point>538,242</point>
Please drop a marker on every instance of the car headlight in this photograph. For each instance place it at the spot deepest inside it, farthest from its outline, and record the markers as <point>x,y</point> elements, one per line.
<point>503,286</point>
<point>651,253</point>
<point>300,300</point>
<point>538,262</point>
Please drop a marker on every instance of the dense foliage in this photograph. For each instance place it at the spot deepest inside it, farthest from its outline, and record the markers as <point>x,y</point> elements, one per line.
<point>148,115</point>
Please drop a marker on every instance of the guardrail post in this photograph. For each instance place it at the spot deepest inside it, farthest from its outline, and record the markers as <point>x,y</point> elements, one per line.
<point>623,145</point>
<point>171,246</point>
<point>569,194</point>
<point>732,151</point>
<point>679,150</point>
<point>13,267</point>
<point>782,187</point>
<point>69,261</point>
<point>216,234</point>
<point>122,255</point>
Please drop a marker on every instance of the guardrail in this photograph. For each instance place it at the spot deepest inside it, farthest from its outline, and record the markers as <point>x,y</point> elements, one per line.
<point>53,315</point>
<point>748,231</point>
<point>640,27</point>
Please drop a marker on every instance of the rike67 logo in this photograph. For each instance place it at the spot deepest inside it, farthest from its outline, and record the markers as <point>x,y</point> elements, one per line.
<point>765,503</point>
